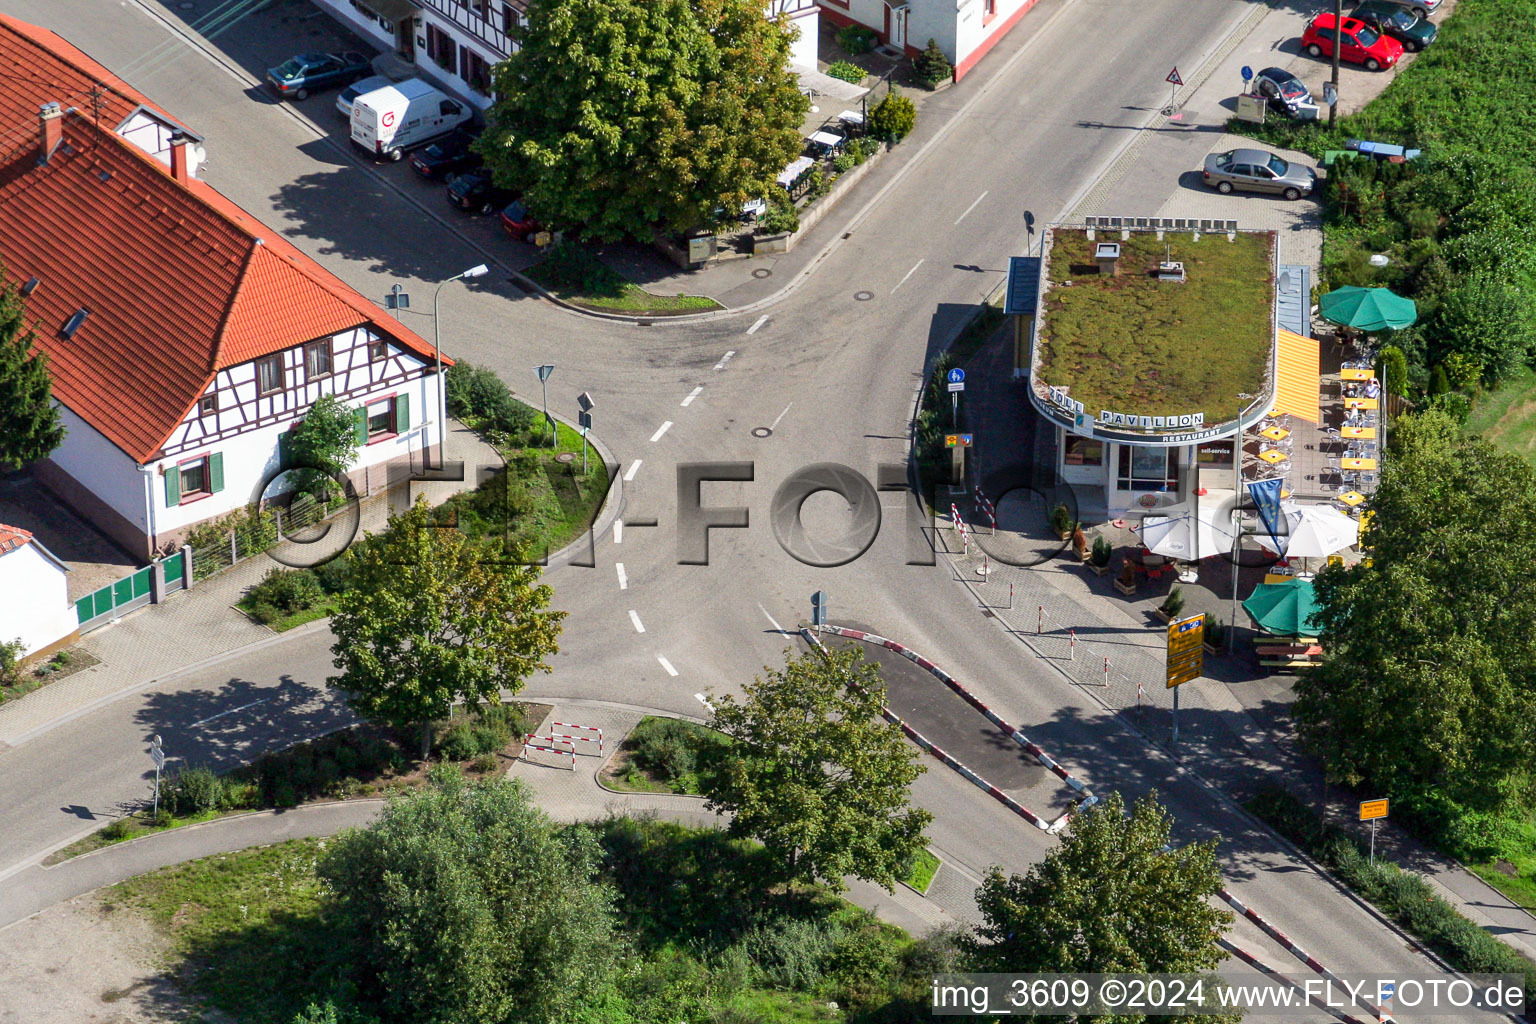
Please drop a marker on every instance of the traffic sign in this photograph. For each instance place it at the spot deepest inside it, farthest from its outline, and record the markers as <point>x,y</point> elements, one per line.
<point>819,608</point>
<point>1173,76</point>
<point>1247,72</point>
<point>957,440</point>
<point>955,376</point>
<point>1370,810</point>
<point>1186,653</point>
<point>956,385</point>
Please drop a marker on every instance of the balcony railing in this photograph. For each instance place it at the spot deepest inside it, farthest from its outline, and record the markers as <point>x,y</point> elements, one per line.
<point>467,17</point>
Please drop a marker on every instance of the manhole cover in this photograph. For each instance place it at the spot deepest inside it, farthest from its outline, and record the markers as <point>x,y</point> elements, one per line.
<point>565,457</point>
<point>863,296</point>
<point>762,431</point>
<point>762,272</point>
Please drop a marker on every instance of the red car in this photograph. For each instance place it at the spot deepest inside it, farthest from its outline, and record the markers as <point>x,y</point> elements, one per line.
<point>1362,44</point>
<point>518,222</point>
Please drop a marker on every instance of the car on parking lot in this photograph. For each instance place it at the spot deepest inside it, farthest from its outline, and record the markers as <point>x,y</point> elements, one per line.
<point>477,193</point>
<point>1396,21</point>
<point>300,75</point>
<point>1417,8</point>
<point>1284,91</point>
<point>518,222</point>
<point>1254,170</point>
<point>362,85</point>
<point>449,156</point>
<point>1359,43</point>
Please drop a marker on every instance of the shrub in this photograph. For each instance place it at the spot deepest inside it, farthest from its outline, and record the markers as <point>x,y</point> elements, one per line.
<point>1061,518</point>
<point>1173,604</point>
<point>119,829</point>
<point>847,71</point>
<point>845,162</point>
<point>458,742</point>
<point>1489,321</point>
<point>782,217</point>
<point>196,790</point>
<point>1439,383</point>
<point>161,818</point>
<point>335,576</point>
<point>856,39</point>
<point>1455,404</point>
<point>264,612</point>
<point>791,953</point>
<point>931,66</point>
<point>287,590</point>
<point>1102,550</point>
<point>63,659</point>
<point>1394,367</point>
<point>476,391</point>
<point>893,117</point>
<point>10,662</point>
<point>240,795</point>
<point>816,183</point>
<point>485,763</point>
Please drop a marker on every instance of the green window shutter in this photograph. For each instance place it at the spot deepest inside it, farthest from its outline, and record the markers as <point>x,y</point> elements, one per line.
<point>215,472</point>
<point>284,455</point>
<point>361,419</point>
<point>172,486</point>
<point>402,413</point>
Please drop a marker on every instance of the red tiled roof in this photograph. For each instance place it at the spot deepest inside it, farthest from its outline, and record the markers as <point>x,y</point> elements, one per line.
<point>13,537</point>
<point>179,281</point>
<point>39,66</point>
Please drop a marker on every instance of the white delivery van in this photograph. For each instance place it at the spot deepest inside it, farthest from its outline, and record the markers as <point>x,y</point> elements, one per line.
<point>386,122</point>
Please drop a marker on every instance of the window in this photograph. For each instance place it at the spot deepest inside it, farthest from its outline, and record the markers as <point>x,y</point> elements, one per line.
<point>317,359</point>
<point>474,70</point>
<point>194,478</point>
<point>378,350</point>
<point>1215,453</point>
<point>1148,469</point>
<point>441,48</point>
<point>1084,451</point>
<point>269,374</point>
<point>509,19</point>
<point>988,8</point>
<point>208,405</point>
<point>191,479</point>
<point>383,418</point>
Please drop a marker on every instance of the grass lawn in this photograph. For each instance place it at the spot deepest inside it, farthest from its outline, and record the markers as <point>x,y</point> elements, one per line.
<point>924,867</point>
<point>298,618</point>
<point>635,767</point>
<point>1133,344</point>
<point>580,278</point>
<point>1507,415</point>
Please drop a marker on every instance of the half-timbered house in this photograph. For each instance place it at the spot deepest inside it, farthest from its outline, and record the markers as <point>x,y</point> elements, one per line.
<point>183,335</point>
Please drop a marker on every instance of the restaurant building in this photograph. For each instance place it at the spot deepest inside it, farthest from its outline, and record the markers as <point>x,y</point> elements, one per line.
<point>1150,345</point>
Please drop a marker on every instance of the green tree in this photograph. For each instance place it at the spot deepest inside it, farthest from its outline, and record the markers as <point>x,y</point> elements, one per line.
<point>324,444</point>
<point>931,66</point>
<point>465,904</point>
<point>630,115</point>
<point>433,618</point>
<point>816,775</point>
<point>1490,321</point>
<point>30,428</point>
<point>1112,898</point>
<point>1429,690</point>
<point>1394,367</point>
<point>893,117</point>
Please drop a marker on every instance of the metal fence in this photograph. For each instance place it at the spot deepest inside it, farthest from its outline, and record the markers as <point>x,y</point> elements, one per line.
<point>254,534</point>
<point>132,591</point>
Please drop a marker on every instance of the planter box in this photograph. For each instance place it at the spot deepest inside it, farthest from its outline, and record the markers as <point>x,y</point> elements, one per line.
<point>781,242</point>
<point>1128,589</point>
<point>1221,649</point>
<point>1100,570</point>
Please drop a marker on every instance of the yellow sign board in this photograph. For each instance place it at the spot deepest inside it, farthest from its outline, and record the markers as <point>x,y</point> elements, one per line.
<point>1186,650</point>
<point>1370,809</point>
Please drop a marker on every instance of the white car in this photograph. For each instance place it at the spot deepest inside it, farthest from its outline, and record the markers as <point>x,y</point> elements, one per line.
<point>356,89</point>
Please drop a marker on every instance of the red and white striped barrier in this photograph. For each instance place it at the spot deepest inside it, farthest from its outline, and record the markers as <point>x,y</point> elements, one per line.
<point>528,745</point>
<point>552,735</point>
<point>1254,962</point>
<point>986,508</point>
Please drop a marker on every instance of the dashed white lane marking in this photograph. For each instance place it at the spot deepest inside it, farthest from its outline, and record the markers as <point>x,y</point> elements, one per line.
<point>770,619</point>
<point>618,531</point>
<point>973,206</point>
<point>231,711</point>
<point>666,665</point>
<point>775,423</point>
<point>907,275</point>
<point>623,577</point>
<point>703,700</point>
<point>635,618</point>
<point>760,321</point>
<point>634,467</point>
<point>661,430</point>
<point>725,359</point>
<point>692,395</point>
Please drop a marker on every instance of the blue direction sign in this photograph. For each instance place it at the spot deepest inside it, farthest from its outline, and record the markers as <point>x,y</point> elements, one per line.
<point>1247,73</point>
<point>956,375</point>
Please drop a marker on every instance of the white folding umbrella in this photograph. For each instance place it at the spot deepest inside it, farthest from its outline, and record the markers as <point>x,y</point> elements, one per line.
<point>1317,530</point>
<point>1179,536</point>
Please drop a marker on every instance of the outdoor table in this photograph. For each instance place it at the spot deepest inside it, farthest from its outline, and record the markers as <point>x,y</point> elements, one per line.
<point>829,141</point>
<point>1362,403</point>
<point>852,118</point>
<point>1275,433</point>
<point>1357,463</point>
<point>1353,374</point>
<point>1273,455</point>
<point>797,167</point>
<point>1351,498</point>
<point>1278,577</point>
<point>1364,433</point>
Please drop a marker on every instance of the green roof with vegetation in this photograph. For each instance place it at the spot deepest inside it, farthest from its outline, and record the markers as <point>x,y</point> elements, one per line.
<point>1131,343</point>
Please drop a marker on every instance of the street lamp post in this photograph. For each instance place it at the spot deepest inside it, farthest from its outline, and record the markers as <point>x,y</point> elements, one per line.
<point>1237,496</point>
<point>437,351</point>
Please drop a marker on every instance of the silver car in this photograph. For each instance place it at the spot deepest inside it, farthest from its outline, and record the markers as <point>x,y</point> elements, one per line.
<point>1254,170</point>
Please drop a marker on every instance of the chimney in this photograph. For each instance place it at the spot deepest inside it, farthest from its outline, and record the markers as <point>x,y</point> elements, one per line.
<point>1108,256</point>
<point>52,118</point>
<point>179,156</point>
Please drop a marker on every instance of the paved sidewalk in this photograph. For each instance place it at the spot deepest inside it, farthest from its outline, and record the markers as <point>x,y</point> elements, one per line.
<point>565,795</point>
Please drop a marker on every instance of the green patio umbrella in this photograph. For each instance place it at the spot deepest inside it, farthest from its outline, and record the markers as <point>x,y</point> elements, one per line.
<point>1284,609</point>
<point>1367,309</point>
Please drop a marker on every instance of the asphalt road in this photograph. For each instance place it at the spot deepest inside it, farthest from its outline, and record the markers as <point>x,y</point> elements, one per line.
<point>833,370</point>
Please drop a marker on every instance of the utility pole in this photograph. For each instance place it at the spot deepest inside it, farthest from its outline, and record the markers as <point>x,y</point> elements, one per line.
<point>1338,27</point>
<point>1237,533</point>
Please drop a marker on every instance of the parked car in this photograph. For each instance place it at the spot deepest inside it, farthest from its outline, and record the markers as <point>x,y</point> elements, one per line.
<point>449,156</point>
<point>1418,8</point>
<point>298,76</point>
<point>1391,19</point>
<point>362,85</point>
<point>404,115</point>
<point>478,193</point>
<point>1284,91</point>
<point>1254,170</point>
<point>518,222</point>
<point>1360,44</point>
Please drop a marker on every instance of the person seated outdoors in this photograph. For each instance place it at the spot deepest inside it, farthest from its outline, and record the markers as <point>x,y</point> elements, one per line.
<point>1373,388</point>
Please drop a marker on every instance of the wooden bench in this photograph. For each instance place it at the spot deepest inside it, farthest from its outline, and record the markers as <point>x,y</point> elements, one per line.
<point>1290,650</point>
<point>1284,663</point>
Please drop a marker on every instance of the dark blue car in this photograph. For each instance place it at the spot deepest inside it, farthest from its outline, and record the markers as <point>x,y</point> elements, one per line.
<point>298,76</point>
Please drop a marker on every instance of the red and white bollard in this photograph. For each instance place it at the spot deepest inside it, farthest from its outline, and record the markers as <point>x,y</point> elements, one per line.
<point>1010,595</point>
<point>985,568</point>
<point>1106,673</point>
<point>1040,626</point>
<point>1072,645</point>
<point>1138,695</point>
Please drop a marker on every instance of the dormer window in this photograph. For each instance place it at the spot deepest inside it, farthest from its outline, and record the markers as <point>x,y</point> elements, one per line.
<point>74,322</point>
